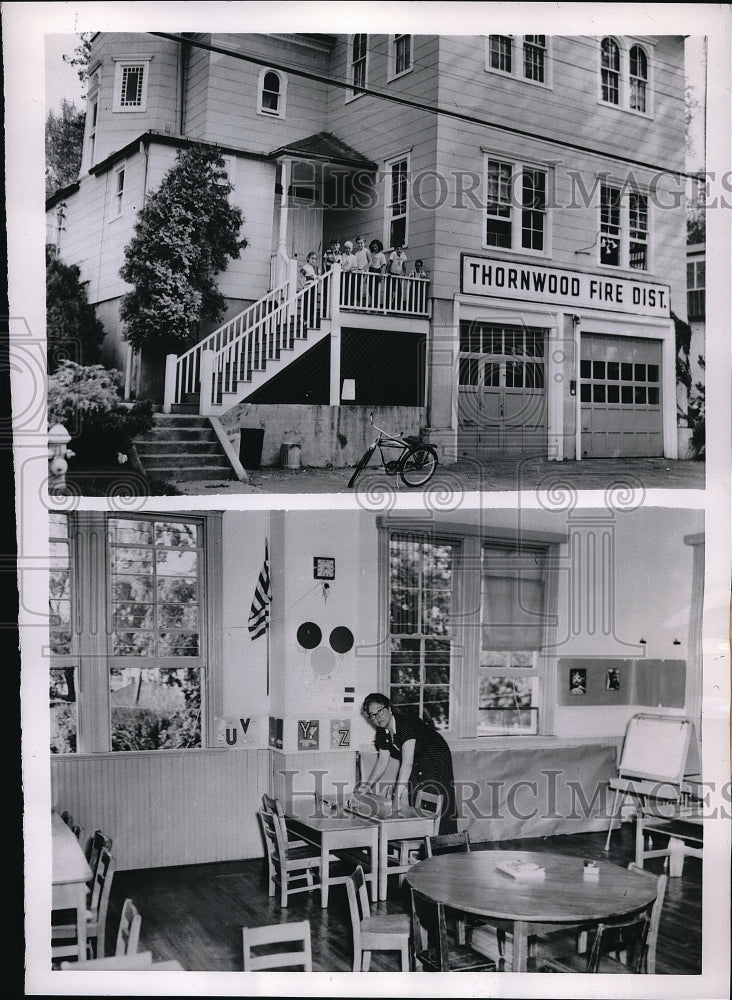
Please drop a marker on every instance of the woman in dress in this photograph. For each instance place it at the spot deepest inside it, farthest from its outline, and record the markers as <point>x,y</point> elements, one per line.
<point>425,761</point>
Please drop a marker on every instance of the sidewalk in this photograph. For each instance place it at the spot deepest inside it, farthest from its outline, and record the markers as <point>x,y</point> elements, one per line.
<point>469,476</point>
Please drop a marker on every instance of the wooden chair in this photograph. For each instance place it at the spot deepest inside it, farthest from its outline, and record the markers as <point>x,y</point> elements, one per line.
<point>128,933</point>
<point>135,960</point>
<point>96,914</point>
<point>383,932</point>
<point>277,934</point>
<point>624,946</point>
<point>288,866</point>
<point>272,805</point>
<point>405,853</point>
<point>431,945</point>
<point>453,843</point>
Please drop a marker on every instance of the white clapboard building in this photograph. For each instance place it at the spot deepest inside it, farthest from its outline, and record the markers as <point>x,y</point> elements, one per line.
<point>539,178</point>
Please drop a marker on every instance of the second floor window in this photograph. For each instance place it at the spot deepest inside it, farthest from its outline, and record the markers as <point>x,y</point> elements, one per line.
<point>695,284</point>
<point>499,52</point>
<point>398,187</point>
<point>625,76</point>
<point>402,54</point>
<point>119,192</point>
<point>515,206</point>
<point>534,57</point>
<point>525,57</point>
<point>624,229</point>
<point>357,66</point>
<point>638,78</point>
<point>610,71</point>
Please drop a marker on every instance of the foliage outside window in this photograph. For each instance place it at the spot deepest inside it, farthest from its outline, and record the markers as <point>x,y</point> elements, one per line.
<point>421,597</point>
<point>467,631</point>
<point>145,681</point>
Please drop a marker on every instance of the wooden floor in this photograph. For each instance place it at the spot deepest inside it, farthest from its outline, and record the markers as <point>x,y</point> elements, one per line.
<point>195,913</point>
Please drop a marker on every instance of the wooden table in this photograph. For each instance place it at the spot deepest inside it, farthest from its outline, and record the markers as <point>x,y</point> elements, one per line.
<point>406,824</point>
<point>70,874</point>
<point>332,831</point>
<point>471,882</point>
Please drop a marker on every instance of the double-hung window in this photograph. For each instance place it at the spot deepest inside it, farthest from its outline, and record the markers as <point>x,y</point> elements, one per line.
<point>131,600</point>
<point>400,55</point>
<point>397,201</point>
<point>516,212</point>
<point>624,228</point>
<point>131,83</point>
<point>695,285</point>
<point>525,57</point>
<point>118,190</point>
<point>470,620</point>
<point>357,57</point>
<point>625,81</point>
<point>272,93</point>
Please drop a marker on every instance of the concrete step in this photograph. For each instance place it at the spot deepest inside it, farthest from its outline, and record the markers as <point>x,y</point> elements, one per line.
<point>182,460</point>
<point>168,446</point>
<point>203,472</point>
<point>180,434</point>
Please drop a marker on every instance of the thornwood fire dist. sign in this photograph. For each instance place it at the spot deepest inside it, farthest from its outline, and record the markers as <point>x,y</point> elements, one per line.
<point>578,289</point>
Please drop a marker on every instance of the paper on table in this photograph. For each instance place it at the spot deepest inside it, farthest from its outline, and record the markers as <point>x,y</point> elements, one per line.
<point>520,869</point>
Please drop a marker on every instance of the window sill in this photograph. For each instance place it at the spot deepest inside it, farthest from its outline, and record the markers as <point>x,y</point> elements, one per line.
<point>517,78</point>
<point>647,115</point>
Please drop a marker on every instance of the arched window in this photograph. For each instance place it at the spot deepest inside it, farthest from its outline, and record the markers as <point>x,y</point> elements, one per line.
<point>272,91</point>
<point>638,78</point>
<point>610,71</point>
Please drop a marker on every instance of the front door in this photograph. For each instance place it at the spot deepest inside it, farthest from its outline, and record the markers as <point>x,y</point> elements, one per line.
<point>304,228</point>
<point>502,406</point>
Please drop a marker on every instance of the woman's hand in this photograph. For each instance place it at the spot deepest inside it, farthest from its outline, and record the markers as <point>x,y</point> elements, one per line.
<point>362,788</point>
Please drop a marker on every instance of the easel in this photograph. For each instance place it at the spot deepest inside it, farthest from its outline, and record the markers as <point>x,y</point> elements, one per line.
<point>652,767</point>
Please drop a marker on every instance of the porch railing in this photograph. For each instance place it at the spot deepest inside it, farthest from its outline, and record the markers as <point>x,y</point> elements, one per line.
<point>362,291</point>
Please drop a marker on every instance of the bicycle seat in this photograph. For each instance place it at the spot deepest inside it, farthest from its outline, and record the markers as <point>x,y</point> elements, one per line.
<point>412,439</point>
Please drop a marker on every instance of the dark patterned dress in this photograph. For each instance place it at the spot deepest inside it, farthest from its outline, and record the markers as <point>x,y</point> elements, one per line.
<point>432,764</point>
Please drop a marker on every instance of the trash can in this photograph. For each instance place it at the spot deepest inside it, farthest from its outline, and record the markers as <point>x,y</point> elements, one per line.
<point>290,455</point>
<point>250,447</point>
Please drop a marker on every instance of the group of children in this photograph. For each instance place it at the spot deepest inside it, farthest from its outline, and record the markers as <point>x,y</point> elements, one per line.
<point>363,260</point>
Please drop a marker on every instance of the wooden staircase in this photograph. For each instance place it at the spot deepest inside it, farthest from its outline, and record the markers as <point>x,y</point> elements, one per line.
<point>183,447</point>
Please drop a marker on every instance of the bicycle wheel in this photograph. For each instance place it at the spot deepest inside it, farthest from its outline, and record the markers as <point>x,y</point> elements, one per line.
<point>418,465</point>
<point>362,463</point>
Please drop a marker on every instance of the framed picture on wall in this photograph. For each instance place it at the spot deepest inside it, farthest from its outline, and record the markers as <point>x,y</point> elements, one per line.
<point>577,681</point>
<point>612,679</point>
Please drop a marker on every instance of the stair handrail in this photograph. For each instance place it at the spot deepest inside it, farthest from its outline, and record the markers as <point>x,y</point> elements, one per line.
<point>263,339</point>
<point>188,365</point>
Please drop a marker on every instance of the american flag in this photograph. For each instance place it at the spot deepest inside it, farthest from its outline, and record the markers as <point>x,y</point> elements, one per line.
<point>259,612</point>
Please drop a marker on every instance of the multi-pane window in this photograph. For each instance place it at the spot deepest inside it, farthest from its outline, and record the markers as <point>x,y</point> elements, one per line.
<point>638,231</point>
<point>271,95</point>
<point>398,189</point>
<point>141,683</point>
<point>610,225</point>
<point>470,621</point>
<point>499,52</point>
<point>130,84</point>
<point>521,226</point>
<point>622,382</point>
<point>525,57</point>
<point>638,78</point>
<point>624,75</point>
<point>402,53</point>
<point>93,112</point>
<point>534,57</point>
<point>501,356</point>
<point>624,228</point>
<point>119,191</point>
<point>358,63</point>
<point>610,70</point>
<point>695,285</point>
<point>421,574</point>
<point>512,634</point>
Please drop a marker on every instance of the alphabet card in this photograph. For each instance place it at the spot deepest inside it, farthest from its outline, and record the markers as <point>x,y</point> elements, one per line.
<point>308,734</point>
<point>275,732</point>
<point>236,733</point>
<point>340,734</point>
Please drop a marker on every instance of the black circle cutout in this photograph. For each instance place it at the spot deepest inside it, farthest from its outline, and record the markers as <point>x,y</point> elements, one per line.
<point>341,639</point>
<point>309,635</point>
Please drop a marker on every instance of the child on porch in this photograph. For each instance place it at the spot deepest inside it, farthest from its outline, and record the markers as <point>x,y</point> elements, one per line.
<point>363,262</point>
<point>397,269</point>
<point>417,292</point>
<point>332,255</point>
<point>348,268</point>
<point>376,270</point>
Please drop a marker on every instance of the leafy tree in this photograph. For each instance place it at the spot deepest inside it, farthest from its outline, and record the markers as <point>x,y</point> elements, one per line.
<point>64,143</point>
<point>185,235</point>
<point>80,56</point>
<point>72,327</point>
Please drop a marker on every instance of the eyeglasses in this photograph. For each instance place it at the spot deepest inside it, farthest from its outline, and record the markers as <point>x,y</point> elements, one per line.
<point>378,712</point>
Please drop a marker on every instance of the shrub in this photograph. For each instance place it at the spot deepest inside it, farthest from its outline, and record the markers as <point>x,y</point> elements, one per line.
<point>87,400</point>
<point>73,330</point>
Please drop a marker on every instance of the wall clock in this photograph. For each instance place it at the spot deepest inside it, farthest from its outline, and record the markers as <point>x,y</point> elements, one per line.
<point>324,568</point>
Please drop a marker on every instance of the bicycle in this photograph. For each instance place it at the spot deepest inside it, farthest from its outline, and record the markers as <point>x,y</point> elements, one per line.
<point>415,465</point>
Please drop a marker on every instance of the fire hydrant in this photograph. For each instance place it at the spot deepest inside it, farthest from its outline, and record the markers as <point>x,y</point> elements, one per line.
<point>58,453</point>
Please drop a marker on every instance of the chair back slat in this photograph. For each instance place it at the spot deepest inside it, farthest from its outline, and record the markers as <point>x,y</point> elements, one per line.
<point>128,933</point>
<point>448,843</point>
<point>254,938</point>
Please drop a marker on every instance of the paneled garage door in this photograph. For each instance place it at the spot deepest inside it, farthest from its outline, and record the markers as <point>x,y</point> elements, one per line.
<point>620,396</point>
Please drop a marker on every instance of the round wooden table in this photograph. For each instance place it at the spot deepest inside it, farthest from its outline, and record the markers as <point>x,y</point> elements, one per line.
<point>471,883</point>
